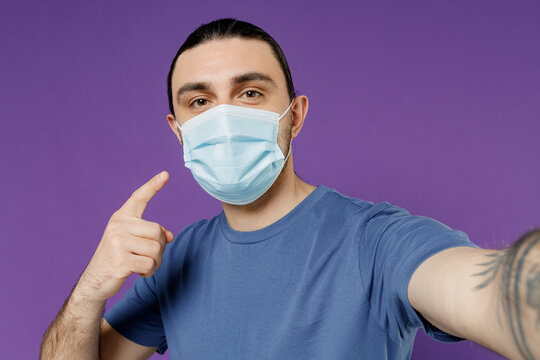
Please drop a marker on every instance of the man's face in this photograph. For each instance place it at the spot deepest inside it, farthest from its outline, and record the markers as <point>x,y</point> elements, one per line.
<point>230,71</point>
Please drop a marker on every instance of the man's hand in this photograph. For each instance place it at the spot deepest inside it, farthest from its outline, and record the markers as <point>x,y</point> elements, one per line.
<point>129,245</point>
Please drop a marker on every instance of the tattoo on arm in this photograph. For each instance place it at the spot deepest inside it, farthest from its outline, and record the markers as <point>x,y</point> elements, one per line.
<point>519,286</point>
<point>533,293</point>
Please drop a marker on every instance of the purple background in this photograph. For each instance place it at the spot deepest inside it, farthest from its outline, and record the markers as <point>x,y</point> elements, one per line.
<point>432,106</point>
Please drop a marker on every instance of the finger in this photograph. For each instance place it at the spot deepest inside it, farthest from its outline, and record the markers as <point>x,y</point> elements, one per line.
<point>143,228</point>
<point>145,247</point>
<point>136,204</point>
<point>168,235</point>
<point>143,265</point>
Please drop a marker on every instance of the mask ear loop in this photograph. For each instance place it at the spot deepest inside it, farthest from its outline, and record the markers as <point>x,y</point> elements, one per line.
<point>179,132</point>
<point>290,143</point>
<point>289,153</point>
<point>288,108</point>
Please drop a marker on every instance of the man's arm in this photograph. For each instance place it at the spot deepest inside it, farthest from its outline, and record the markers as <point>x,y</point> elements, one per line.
<point>491,297</point>
<point>113,345</point>
<point>75,330</point>
<point>129,245</point>
<point>79,331</point>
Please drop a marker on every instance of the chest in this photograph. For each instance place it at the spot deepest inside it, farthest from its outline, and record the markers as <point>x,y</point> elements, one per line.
<point>289,298</point>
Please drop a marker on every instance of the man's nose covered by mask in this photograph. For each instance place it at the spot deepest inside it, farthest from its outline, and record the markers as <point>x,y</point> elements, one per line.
<point>232,151</point>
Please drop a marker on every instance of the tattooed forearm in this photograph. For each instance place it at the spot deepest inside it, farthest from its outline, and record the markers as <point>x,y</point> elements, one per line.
<point>493,266</point>
<point>516,271</point>
<point>533,294</point>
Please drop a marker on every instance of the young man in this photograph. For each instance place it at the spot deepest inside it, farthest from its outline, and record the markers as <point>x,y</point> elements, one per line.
<point>287,270</point>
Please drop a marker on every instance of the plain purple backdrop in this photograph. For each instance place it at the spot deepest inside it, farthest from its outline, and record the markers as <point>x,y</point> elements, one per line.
<point>431,105</point>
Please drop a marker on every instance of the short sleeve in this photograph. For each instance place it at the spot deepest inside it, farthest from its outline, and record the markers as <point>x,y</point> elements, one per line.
<point>393,243</point>
<point>137,316</point>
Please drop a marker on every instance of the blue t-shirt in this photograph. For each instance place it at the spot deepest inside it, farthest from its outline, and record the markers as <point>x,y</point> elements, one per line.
<point>326,281</point>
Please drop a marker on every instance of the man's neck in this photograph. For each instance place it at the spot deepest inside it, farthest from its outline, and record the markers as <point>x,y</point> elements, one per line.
<point>284,195</point>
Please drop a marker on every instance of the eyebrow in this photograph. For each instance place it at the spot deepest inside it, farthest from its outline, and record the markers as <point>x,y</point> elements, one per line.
<point>239,79</point>
<point>193,86</point>
<point>242,78</point>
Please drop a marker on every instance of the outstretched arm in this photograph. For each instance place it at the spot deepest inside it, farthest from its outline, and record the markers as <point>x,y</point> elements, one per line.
<point>491,297</point>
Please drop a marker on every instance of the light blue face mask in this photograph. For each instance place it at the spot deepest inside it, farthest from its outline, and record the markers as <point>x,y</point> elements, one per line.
<point>232,151</point>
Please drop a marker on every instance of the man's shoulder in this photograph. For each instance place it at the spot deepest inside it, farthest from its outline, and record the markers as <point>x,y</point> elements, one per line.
<point>198,226</point>
<point>355,205</point>
<point>338,208</point>
<point>193,231</point>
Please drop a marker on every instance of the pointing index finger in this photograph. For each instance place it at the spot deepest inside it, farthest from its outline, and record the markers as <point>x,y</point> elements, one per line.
<point>136,204</point>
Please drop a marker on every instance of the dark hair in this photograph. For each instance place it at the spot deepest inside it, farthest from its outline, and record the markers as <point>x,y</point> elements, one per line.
<point>230,28</point>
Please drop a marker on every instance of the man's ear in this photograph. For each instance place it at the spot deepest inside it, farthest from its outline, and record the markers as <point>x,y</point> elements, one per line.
<point>172,124</point>
<point>299,111</point>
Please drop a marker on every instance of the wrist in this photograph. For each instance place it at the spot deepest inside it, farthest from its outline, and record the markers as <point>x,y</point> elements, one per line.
<point>84,297</point>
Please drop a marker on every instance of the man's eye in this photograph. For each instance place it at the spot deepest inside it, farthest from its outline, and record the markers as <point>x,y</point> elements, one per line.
<point>252,94</point>
<point>199,102</point>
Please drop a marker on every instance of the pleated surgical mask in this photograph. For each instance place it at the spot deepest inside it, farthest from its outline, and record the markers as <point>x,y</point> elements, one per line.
<point>233,152</point>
